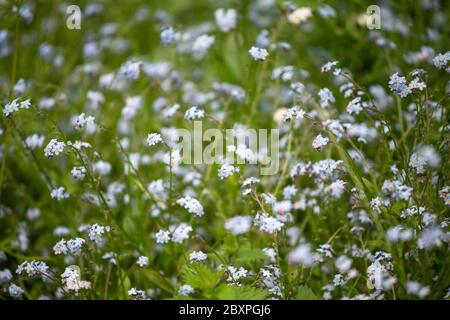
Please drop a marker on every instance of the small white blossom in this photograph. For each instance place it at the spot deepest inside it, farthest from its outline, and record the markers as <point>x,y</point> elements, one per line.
<point>258,54</point>
<point>15,291</point>
<point>238,225</point>
<point>201,46</point>
<point>267,224</point>
<point>180,232</point>
<point>186,290</point>
<point>136,294</point>
<point>54,148</point>
<point>225,19</point>
<point>197,256</point>
<point>194,113</point>
<point>72,280</point>
<point>399,85</point>
<point>441,61</point>
<point>227,170</point>
<point>417,289</point>
<point>142,261</point>
<point>82,120</point>
<point>293,113</point>
<point>326,97</point>
<point>131,69</point>
<point>328,66</point>
<point>319,142</point>
<point>162,236</point>
<point>96,232</point>
<point>78,173</point>
<point>59,194</point>
<point>169,36</point>
<point>153,139</point>
<point>192,205</point>
<point>299,15</point>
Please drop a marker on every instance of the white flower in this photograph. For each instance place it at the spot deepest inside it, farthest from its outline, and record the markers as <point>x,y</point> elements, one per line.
<point>289,191</point>
<point>95,99</point>
<point>377,203</point>
<point>201,46</point>
<point>136,294</point>
<point>15,105</point>
<point>101,167</point>
<point>169,36</point>
<point>72,246</point>
<point>441,61</point>
<point>198,256</point>
<point>417,84</point>
<point>194,113</point>
<point>96,232</point>
<point>299,15</point>
<point>267,224</point>
<point>162,236</point>
<point>78,173</point>
<point>355,106</point>
<point>71,279</point>
<point>75,245</point>
<point>239,224</point>
<point>396,189</point>
<point>33,268</point>
<point>399,233</point>
<point>326,97</point>
<point>320,142</point>
<point>425,156</point>
<point>431,237</point>
<point>248,184</point>
<point>81,121</point>
<point>25,104</point>
<point>34,141</point>
<point>246,153</point>
<point>60,247</point>
<point>225,19</point>
<point>158,189</point>
<point>180,232</point>
<point>59,194</point>
<point>170,111</point>
<point>343,264</point>
<point>325,250</point>
<point>336,189</point>
<point>226,171</point>
<point>153,139</point>
<point>131,69</point>
<point>258,54</point>
<point>399,85</point>
<point>294,112</point>
<point>328,66</point>
<point>15,291</point>
<point>54,148</point>
<point>185,290</point>
<point>302,255</point>
<point>417,289</point>
<point>33,214</point>
<point>236,274</point>
<point>142,261</point>
<point>192,205</point>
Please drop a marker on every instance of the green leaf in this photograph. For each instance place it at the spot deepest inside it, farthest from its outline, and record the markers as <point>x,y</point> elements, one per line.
<point>201,277</point>
<point>227,292</point>
<point>248,254</point>
<point>158,280</point>
<point>305,293</point>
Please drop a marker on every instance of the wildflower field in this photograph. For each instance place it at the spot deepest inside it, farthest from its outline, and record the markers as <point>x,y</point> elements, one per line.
<point>119,179</point>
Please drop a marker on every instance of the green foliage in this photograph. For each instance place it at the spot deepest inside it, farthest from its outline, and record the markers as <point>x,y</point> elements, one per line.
<point>241,293</point>
<point>305,293</point>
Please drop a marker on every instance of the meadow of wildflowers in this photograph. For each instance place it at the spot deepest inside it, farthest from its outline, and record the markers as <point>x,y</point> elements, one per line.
<point>97,198</point>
